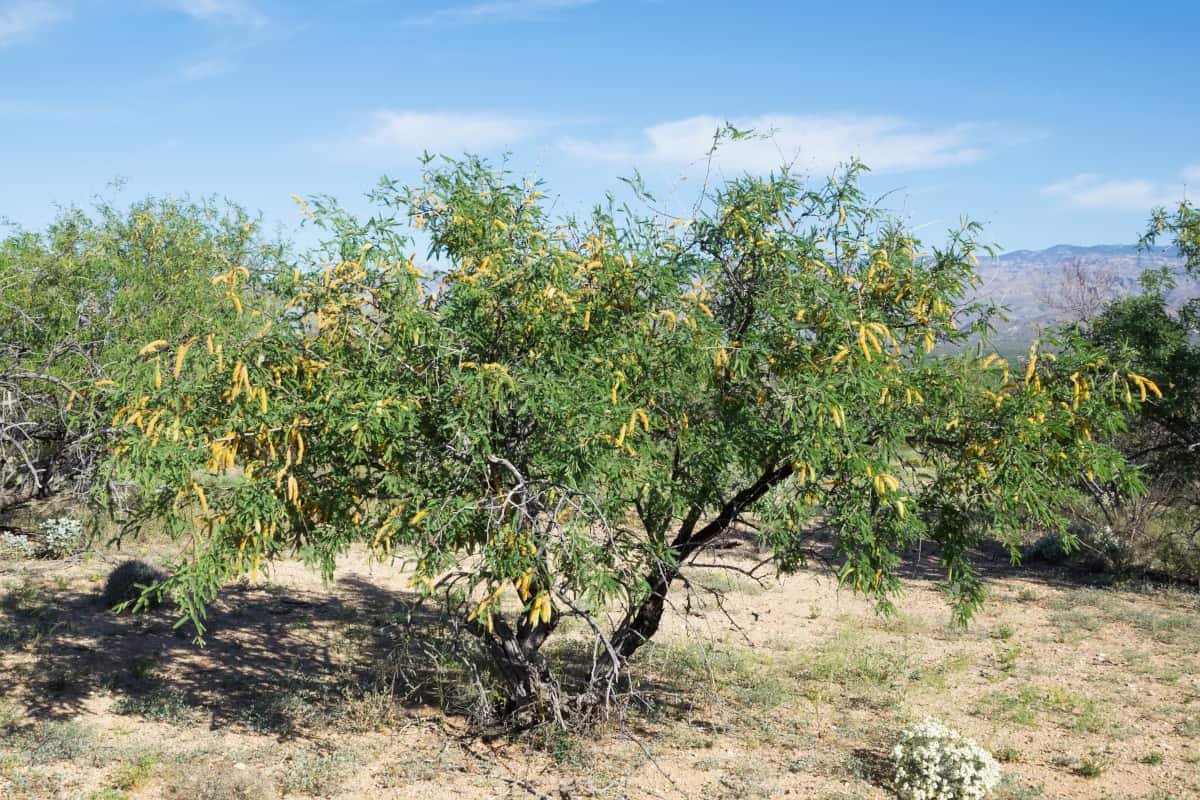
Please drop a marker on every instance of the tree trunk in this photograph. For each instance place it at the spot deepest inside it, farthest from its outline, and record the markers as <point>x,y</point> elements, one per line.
<point>641,623</point>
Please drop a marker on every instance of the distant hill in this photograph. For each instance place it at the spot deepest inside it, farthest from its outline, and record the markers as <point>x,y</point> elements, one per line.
<point>1029,282</point>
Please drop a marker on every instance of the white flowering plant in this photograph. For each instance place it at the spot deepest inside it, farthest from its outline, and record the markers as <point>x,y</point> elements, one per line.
<point>934,762</point>
<point>62,536</point>
<point>15,547</point>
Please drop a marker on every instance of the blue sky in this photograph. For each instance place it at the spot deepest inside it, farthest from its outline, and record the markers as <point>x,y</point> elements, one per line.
<point>1049,122</point>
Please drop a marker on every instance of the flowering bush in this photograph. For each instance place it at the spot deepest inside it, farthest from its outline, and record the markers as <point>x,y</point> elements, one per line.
<point>61,536</point>
<point>14,546</point>
<point>934,762</point>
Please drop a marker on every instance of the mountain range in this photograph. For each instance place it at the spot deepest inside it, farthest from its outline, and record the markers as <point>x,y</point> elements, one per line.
<point>1036,285</point>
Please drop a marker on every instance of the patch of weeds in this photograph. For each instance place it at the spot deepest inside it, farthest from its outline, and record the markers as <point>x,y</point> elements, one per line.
<point>1152,759</point>
<point>1073,624</point>
<point>750,679</point>
<point>129,776</point>
<point>724,581</point>
<point>1007,754</point>
<point>565,749</point>
<point>857,663</point>
<point>48,742</point>
<point>108,794</point>
<point>1004,632</point>
<point>310,772</point>
<point>213,782</point>
<point>371,709</point>
<point>935,675</point>
<point>158,703</point>
<point>1190,726</point>
<point>1013,788</point>
<point>1027,595</point>
<point>741,781</point>
<point>1164,628</point>
<point>1083,712</point>
<point>1019,708</point>
<point>1092,765</point>
<point>1007,655</point>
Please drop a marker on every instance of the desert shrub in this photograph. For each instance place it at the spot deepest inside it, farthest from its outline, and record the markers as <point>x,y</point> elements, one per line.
<point>126,583</point>
<point>220,783</point>
<point>62,537</point>
<point>585,406</point>
<point>15,546</point>
<point>934,762</point>
<point>1086,543</point>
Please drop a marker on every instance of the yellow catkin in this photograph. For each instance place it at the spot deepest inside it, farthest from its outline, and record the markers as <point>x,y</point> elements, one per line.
<point>179,356</point>
<point>152,348</point>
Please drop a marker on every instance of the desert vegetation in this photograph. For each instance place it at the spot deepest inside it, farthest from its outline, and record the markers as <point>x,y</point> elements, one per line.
<point>737,502</point>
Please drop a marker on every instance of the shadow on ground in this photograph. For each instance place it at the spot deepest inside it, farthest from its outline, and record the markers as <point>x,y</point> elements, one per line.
<point>276,662</point>
<point>271,661</point>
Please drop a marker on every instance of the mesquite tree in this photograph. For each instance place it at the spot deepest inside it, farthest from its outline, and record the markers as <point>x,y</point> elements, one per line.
<point>77,300</point>
<point>566,412</point>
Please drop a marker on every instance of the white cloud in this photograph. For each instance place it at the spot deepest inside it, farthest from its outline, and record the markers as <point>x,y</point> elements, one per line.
<point>496,11</point>
<point>202,70</point>
<point>817,143</point>
<point>21,19</point>
<point>1088,190</point>
<point>239,11</point>
<point>1191,173</point>
<point>406,134</point>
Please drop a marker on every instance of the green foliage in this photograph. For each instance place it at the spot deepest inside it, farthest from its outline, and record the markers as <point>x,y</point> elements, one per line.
<point>570,409</point>
<point>76,303</point>
<point>1159,340</point>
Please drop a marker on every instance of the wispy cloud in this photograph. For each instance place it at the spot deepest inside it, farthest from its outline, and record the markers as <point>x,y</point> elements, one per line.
<point>1191,173</point>
<point>495,11</point>
<point>21,19</point>
<point>202,70</point>
<point>236,11</point>
<point>1093,191</point>
<point>817,143</point>
<point>405,134</point>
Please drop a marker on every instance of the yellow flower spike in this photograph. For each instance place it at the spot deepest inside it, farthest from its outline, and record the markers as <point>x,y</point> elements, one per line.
<point>417,517</point>
<point>179,356</point>
<point>200,496</point>
<point>1033,358</point>
<point>157,373</point>
<point>840,356</point>
<point>152,348</point>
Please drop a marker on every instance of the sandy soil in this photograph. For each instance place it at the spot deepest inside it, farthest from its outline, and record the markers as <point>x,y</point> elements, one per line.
<point>795,689</point>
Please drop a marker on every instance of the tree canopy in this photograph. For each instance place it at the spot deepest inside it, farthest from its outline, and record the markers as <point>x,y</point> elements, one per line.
<point>563,412</point>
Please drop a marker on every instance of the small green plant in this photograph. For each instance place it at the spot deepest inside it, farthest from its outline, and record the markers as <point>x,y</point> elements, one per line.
<point>1093,765</point>
<point>129,776</point>
<point>1153,758</point>
<point>15,547</point>
<point>1007,754</point>
<point>311,772</point>
<point>1007,655</point>
<point>219,783</point>
<point>1004,632</point>
<point>158,704</point>
<point>48,742</point>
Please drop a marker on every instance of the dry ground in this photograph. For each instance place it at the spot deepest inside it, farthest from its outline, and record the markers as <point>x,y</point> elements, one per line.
<point>1082,691</point>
